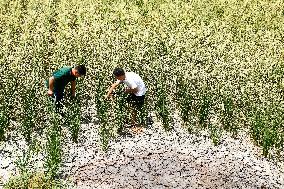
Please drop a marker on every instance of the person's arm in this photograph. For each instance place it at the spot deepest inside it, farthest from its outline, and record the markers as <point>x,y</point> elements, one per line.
<point>113,86</point>
<point>73,85</point>
<point>51,85</point>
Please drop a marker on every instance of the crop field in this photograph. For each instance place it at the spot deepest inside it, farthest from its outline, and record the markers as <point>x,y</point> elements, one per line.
<point>218,64</point>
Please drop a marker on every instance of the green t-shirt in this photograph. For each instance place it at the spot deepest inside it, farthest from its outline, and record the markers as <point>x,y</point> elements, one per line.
<point>61,78</point>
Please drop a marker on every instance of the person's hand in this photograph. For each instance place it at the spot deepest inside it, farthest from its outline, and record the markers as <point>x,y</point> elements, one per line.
<point>127,90</point>
<point>50,92</point>
<point>108,97</point>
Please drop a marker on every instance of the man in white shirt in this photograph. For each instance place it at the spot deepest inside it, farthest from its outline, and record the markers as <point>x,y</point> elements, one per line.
<point>135,88</point>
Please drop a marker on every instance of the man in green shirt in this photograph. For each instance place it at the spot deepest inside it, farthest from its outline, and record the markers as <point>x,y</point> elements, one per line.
<point>60,78</point>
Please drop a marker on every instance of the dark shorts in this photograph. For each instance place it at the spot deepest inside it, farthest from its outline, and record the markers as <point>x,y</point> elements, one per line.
<point>57,98</point>
<point>57,94</point>
<point>137,101</point>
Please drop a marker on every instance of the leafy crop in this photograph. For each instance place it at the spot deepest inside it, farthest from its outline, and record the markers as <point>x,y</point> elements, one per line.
<point>217,64</point>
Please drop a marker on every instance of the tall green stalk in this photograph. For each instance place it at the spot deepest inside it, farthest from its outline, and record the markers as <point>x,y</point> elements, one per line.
<point>73,117</point>
<point>4,121</point>
<point>204,108</point>
<point>102,106</point>
<point>121,111</point>
<point>185,103</point>
<point>29,112</point>
<point>54,146</point>
<point>215,133</point>
<point>228,116</point>
<point>162,107</point>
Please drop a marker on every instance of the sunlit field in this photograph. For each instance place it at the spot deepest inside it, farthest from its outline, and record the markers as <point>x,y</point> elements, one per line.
<point>218,64</point>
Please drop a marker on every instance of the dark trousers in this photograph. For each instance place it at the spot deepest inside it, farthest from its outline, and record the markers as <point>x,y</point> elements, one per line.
<point>57,99</point>
<point>137,101</point>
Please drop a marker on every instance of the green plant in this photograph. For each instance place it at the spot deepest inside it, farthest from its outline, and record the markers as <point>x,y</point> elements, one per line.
<point>215,134</point>
<point>6,105</point>
<point>204,108</point>
<point>20,182</point>
<point>228,115</point>
<point>185,102</point>
<point>73,117</point>
<point>53,146</point>
<point>29,113</point>
<point>121,110</point>
<point>33,180</point>
<point>4,122</point>
<point>144,114</point>
<point>162,107</point>
<point>102,106</point>
<point>198,41</point>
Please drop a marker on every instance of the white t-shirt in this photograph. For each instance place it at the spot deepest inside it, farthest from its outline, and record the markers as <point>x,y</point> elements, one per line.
<point>133,80</point>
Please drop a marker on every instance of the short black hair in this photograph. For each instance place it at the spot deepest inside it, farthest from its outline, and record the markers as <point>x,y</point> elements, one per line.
<point>81,69</point>
<point>118,72</point>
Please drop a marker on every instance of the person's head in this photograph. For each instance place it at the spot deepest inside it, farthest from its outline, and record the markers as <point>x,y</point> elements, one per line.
<point>119,73</point>
<point>79,71</point>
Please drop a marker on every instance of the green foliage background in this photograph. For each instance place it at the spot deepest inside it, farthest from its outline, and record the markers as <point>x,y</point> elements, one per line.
<point>227,55</point>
